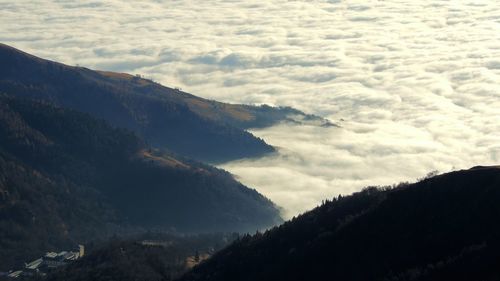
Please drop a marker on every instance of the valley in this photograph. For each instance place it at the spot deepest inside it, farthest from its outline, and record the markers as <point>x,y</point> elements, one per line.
<point>241,140</point>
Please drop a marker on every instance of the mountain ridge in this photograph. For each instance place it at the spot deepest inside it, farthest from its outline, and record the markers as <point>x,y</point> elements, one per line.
<point>166,118</point>
<point>440,228</point>
<point>68,177</point>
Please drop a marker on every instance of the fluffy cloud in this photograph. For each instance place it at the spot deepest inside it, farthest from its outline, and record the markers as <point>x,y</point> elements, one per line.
<point>417,82</point>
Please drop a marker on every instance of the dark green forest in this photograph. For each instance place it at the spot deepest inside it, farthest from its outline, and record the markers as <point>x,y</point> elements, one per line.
<point>441,228</point>
<point>67,177</point>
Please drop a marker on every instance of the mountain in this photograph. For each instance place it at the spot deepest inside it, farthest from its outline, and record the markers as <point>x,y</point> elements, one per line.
<point>166,118</point>
<point>163,257</point>
<point>441,228</point>
<point>67,177</point>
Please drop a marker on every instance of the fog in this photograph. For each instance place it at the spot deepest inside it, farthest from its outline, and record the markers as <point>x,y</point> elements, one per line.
<point>414,85</point>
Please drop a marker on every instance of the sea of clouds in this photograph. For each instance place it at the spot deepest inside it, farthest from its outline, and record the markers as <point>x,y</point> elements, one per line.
<point>414,85</point>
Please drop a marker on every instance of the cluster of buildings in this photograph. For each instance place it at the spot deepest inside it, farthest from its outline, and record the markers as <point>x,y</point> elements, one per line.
<point>156,243</point>
<point>51,260</point>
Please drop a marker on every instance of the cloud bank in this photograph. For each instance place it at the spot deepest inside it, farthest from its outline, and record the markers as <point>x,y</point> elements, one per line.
<point>417,83</point>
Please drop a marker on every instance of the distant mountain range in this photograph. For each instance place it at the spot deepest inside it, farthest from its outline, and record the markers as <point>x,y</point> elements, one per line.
<point>164,117</point>
<point>441,228</point>
<point>67,177</point>
<point>87,154</point>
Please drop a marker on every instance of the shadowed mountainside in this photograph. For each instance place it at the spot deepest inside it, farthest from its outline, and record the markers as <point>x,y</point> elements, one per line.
<point>441,228</point>
<point>66,177</point>
<point>166,118</point>
<point>162,259</point>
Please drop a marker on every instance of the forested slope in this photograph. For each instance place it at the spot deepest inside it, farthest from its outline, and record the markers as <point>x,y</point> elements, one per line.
<point>66,177</point>
<point>441,228</point>
<point>166,118</point>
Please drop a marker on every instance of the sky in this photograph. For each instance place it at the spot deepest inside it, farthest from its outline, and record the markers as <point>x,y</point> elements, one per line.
<point>414,85</point>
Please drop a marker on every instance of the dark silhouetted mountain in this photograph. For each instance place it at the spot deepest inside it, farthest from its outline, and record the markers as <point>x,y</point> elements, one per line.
<point>166,118</point>
<point>66,177</point>
<point>441,228</point>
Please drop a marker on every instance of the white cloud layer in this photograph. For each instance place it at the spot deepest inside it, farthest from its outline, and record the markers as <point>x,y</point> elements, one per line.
<point>417,82</point>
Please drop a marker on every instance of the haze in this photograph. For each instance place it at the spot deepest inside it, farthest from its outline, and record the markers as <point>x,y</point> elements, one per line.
<point>414,85</point>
